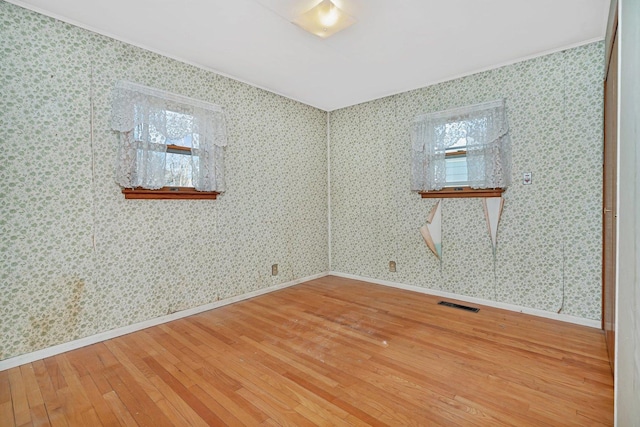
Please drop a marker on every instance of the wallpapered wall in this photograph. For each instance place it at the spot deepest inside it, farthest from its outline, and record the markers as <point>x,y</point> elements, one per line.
<point>550,233</point>
<point>77,258</point>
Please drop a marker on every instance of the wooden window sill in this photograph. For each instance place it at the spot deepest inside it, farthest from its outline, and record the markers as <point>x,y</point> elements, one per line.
<point>457,192</point>
<point>166,193</point>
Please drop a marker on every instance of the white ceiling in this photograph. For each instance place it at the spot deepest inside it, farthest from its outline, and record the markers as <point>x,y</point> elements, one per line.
<point>395,45</point>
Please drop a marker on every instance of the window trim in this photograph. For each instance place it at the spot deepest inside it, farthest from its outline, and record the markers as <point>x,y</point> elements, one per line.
<point>456,153</point>
<point>168,193</point>
<point>178,149</point>
<point>171,192</point>
<point>127,97</point>
<point>461,192</point>
<point>428,141</point>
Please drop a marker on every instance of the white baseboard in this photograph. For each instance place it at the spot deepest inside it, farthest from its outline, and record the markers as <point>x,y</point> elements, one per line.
<point>103,336</point>
<point>511,307</point>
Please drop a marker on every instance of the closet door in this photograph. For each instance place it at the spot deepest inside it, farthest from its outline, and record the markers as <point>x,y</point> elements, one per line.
<point>609,213</point>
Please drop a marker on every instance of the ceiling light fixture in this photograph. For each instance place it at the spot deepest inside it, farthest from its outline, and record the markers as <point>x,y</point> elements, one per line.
<point>324,20</point>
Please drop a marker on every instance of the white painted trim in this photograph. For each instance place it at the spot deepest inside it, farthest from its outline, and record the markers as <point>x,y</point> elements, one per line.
<point>511,307</point>
<point>107,335</point>
<point>103,336</point>
<point>476,71</point>
<point>105,33</point>
<point>73,22</point>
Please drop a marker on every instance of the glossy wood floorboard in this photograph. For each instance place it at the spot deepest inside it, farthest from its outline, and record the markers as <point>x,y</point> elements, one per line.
<point>330,352</point>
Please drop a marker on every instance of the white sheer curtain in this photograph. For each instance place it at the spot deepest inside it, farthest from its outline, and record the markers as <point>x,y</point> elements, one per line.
<point>485,130</point>
<point>148,119</point>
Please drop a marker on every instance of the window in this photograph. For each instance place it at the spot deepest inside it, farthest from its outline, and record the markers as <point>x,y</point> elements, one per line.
<point>171,147</point>
<point>464,152</point>
<point>455,158</point>
<point>178,170</point>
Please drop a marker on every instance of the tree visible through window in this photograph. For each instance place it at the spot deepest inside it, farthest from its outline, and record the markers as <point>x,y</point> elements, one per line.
<point>178,169</point>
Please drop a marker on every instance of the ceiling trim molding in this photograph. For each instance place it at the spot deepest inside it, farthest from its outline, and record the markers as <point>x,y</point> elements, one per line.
<point>105,33</point>
<point>142,46</point>
<point>482,70</point>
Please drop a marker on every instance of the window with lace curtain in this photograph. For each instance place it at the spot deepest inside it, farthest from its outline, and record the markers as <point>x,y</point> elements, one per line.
<point>463,152</point>
<point>170,146</point>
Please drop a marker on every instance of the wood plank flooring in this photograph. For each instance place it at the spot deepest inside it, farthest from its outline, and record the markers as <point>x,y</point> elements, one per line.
<point>330,352</point>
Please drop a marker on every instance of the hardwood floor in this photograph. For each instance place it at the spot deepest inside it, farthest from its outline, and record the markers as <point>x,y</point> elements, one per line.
<point>329,352</point>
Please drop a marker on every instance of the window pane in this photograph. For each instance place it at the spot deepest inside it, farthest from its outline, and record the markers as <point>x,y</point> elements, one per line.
<point>456,170</point>
<point>178,170</point>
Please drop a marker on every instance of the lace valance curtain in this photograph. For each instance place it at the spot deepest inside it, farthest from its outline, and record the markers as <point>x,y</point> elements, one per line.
<point>486,131</point>
<point>148,119</point>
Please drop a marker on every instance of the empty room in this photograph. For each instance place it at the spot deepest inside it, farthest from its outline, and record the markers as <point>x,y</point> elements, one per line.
<point>315,212</point>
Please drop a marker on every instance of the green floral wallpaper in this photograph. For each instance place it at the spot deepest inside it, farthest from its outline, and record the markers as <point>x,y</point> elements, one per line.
<point>549,238</point>
<point>77,258</point>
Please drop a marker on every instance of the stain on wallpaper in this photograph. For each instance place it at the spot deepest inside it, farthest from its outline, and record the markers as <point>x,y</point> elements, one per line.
<point>549,232</point>
<point>79,259</point>
<point>64,308</point>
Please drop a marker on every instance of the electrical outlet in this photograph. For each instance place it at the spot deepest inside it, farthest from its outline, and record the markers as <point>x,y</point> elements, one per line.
<point>274,270</point>
<point>392,266</point>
